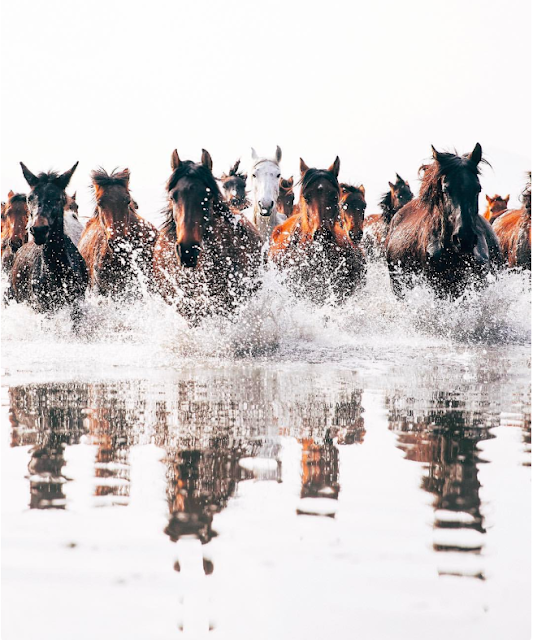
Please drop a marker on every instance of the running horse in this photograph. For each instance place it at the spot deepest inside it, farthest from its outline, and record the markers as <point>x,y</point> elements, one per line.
<point>513,229</point>
<point>117,244</point>
<point>440,235</point>
<point>376,226</point>
<point>234,189</point>
<point>322,260</point>
<point>205,258</point>
<point>352,210</point>
<point>495,207</point>
<point>48,271</point>
<point>263,213</point>
<point>14,222</point>
<point>285,203</point>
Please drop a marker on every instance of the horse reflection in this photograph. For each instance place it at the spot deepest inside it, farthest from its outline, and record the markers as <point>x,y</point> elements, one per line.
<point>320,457</point>
<point>445,439</point>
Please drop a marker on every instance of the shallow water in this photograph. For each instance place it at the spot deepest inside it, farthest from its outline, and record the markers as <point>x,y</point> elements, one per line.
<point>292,472</point>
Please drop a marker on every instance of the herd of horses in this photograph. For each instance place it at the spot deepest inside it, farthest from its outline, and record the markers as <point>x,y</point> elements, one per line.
<point>217,234</point>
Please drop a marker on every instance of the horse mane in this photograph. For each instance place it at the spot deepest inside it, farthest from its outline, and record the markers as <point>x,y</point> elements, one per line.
<point>101,178</point>
<point>18,197</point>
<point>351,188</point>
<point>189,169</point>
<point>386,205</point>
<point>314,174</point>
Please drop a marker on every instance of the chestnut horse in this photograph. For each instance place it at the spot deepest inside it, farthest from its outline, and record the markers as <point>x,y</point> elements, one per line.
<point>376,226</point>
<point>234,189</point>
<point>14,222</point>
<point>513,229</point>
<point>321,258</point>
<point>117,244</point>
<point>352,210</point>
<point>205,258</point>
<point>285,201</point>
<point>48,271</point>
<point>440,234</point>
<point>495,207</point>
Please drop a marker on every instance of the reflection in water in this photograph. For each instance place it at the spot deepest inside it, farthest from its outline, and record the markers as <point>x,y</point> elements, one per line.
<point>444,437</point>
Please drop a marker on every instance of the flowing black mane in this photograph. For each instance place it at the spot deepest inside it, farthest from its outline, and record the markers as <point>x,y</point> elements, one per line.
<point>314,174</point>
<point>387,208</point>
<point>198,172</point>
<point>449,165</point>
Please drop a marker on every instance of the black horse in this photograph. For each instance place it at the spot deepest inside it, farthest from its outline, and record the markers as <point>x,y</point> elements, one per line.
<point>48,271</point>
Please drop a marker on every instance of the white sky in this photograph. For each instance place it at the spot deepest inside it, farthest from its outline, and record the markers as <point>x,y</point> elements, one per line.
<point>122,83</point>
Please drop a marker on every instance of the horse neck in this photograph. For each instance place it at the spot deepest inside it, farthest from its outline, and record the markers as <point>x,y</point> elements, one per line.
<point>121,223</point>
<point>55,245</point>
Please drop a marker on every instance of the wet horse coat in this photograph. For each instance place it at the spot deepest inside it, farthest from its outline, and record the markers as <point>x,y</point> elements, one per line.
<point>440,234</point>
<point>48,271</point>
<point>513,229</point>
<point>205,258</point>
<point>14,222</point>
<point>319,256</point>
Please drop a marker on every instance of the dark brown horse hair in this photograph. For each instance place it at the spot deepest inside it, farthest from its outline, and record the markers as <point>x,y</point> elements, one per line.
<point>18,197</point>
<point>186,169</point>
<point>234,173</point>
<point>314,174</point>
<point>101,178</point>
<point>351,188</point>
<point>286,185</point>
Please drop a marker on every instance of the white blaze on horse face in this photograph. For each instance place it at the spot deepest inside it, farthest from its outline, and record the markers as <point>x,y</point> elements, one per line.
<point>265,186</point>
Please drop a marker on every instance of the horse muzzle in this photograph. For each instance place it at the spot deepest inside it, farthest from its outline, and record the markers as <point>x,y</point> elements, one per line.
<point>265,209</point>
<point>40,234</point>
<point>188,254</point>
<point>15,244</point>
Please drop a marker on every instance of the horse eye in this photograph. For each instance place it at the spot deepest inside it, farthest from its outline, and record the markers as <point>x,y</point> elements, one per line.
<point>279,174</point>
<point>254,176</point>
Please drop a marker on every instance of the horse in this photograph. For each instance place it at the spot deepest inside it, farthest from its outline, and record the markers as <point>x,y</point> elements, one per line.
<point>263,213</point>
<point>205,258</point>
<point>234,189</point>
<point>285,202</point>
<point>376,226</point>
<point>513,229</point>
<point>73,226</point>
<point>495,207</point>
<point>48,271</point>
<point>15,216</point>
<point>440,235</point>
<point>352,210</point>
<point>321,259</point>
<point>117,244</point>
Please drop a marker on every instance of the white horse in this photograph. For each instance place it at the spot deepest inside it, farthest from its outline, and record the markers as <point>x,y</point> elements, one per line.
<point>264,176</point>
<point>72,227</point>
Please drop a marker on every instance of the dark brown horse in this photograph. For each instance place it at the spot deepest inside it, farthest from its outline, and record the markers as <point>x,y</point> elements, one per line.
<point>440,234</point>
<point>322,260</point>
<point>48,271</point>
<point>513,230</point>
<point>495,207</point>
<point>117,244</point>
<point>14,222</point>
<point>205,258</point>
<point>376,226</point>
<point>286,197</point>
<point>352,210</point>
<point>234,189</point>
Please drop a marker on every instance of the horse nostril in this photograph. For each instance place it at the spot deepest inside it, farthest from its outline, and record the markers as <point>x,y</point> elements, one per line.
<point>188,254</point>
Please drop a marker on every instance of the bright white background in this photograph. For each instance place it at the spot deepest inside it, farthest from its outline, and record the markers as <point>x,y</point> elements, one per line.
<point>121,83</point>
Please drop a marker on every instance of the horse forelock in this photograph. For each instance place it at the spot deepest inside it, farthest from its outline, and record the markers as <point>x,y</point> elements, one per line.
<point>101,178</point>
<point>17,197</point>
<point>311,175</point>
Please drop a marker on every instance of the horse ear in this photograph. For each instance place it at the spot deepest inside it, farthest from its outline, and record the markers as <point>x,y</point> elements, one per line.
<point>475,156</point>
<point>10,194</point>
<point>489,199</point>
<point>291,181</point>
<point>334,169</point>
<point>74,196</point>
<point>175,160</point>
<point>436,154</point>
<point>391,186</point>
<point>400,179</point>
<point>64,179</point>
<point>127,174</point>
<point>303,166</point>
<point>254,154</point>
<point>507,197</point>
<point>28,175</point>
<point>235,168</point>
<point>362,189</point>
<point>278,154</point>
<point>207,160</point>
